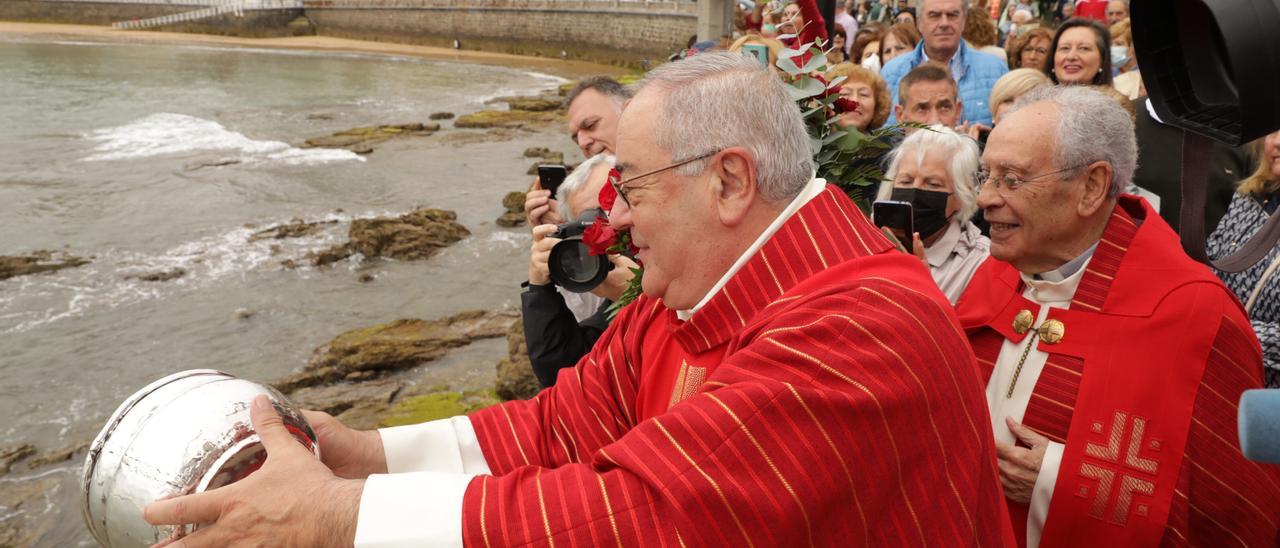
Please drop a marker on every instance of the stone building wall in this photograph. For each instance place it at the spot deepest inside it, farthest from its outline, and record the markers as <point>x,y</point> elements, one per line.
<point>608,31</point>
<point>267,23</point>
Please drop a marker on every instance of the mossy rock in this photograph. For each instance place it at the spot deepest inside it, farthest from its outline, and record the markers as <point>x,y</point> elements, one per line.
<point>437,405</point>
<point>535,105</point>
<point>506,118</point>
<point>513,202</point>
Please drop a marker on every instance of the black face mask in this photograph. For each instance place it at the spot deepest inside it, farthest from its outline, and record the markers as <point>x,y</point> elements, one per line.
<point>928,209</point>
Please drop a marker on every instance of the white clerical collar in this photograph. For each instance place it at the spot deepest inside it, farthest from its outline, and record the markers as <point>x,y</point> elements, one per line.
<point>940,251</point>
<point>1067,270</point>
<point>811,191</point>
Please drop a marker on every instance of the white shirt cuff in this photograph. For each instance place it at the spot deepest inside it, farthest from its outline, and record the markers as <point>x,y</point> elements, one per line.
<point>1042,493</point>
<point>412,509</point>
<point>445,445</point>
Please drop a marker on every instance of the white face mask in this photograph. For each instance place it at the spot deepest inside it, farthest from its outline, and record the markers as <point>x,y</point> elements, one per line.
<point>872,64</point>
<point>1119,55</point>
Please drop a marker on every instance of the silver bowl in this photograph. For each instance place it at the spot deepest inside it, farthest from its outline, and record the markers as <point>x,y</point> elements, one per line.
<point>186,433</point>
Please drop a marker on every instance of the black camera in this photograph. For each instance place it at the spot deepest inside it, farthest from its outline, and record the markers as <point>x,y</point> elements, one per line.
<point>571,264</point>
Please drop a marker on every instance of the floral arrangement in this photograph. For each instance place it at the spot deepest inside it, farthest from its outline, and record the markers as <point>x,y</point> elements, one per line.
<point>844,157</point>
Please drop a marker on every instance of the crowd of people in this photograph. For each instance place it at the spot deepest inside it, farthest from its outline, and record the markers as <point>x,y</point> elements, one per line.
<point>1044,366</point>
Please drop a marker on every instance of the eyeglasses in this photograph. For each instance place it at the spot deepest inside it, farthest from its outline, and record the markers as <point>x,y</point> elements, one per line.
<point>1012,182</point>
<point>615,176</point>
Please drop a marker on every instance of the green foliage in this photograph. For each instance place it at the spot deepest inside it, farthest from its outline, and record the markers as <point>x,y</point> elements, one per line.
<point>844,157</point>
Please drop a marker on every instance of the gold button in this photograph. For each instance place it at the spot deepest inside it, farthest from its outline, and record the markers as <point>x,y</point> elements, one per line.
<point>1022,322</point>
<point>1052,331</point>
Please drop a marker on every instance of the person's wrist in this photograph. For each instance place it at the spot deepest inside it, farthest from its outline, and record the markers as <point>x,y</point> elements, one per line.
<point>338,519</point>
<point>376,456</point>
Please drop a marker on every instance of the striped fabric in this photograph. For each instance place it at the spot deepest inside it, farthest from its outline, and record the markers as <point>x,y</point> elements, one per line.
<point>1221,499</point>
<point>846,411</point>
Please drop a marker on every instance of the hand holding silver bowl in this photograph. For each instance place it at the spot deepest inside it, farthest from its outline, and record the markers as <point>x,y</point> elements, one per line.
<point>186,433</point>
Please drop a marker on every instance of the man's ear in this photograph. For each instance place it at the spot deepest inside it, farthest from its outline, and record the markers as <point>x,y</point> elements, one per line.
<point>735,187</point>
<point>897,112</point>
<point>1097,188</point>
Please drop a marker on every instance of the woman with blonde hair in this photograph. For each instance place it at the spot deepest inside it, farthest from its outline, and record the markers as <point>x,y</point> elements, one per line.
<point>1125,64</point>
<point>898,40</point>
<point>869,90</point>
<point>1013,85</point>
<point>980,32</point>
<point>1258,287</point>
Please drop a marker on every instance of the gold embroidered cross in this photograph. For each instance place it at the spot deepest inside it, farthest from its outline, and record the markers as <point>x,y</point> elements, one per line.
<point>1128,466</point>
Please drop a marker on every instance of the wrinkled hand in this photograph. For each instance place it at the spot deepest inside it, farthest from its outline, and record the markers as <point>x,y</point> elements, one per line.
<point>618,279</point>
<point>349,453</point>
<point>1020,467</point>
<point>293,500</point>
<point>540,207</point>
<point>539,254</point>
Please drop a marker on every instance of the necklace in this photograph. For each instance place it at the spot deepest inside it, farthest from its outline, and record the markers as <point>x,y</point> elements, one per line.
<point>1031,341</point>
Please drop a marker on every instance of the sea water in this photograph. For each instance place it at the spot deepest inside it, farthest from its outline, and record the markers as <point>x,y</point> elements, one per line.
<point>148,158</point>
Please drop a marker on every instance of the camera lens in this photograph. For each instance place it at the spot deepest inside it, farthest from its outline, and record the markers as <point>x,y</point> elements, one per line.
<point>573,267</point>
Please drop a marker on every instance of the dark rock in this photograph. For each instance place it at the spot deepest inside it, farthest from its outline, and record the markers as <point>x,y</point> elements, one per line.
<point>337,398</point>
<point>494,135</point>
<point>515,379</point>
<point>320,116</point>
<point>37,262</point>
<point>361,140</point>
<point>13,454</point>
<point>536,152</point>
<point>242,314</point>
<point>507,118</point>
<point>296,228</point>
<point>60,455</point>
<point>364,278</point>
<point>511,220</point>
<point>416,235</point>
<point>158,276</point>
<point>513,202</point>
<point>324,257</point>
<point>397,345</point>
<point>215,163</point>
<point>536,104</point>
<point>440,116</point>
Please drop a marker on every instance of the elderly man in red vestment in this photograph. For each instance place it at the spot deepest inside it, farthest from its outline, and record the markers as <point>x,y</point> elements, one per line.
<point>1114,363</point>
<point>788,379</point>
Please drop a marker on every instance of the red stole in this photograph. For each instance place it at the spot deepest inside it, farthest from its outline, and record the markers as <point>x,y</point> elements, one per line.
<point>1118,390</point>
<point>825,232</point>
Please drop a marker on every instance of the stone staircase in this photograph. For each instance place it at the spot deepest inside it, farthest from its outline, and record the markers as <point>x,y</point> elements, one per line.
<point>212,8</point>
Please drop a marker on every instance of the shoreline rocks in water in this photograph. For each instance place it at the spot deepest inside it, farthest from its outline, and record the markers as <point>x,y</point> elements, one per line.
<point>513,217</point>
<point>37,262</point>
<point>361,140</point>
<point>158,276</point>
<point>364,353</point>
<point>296,228</point>
<point>418,234</point>
<point>440,116</point>
<point>486,119</point>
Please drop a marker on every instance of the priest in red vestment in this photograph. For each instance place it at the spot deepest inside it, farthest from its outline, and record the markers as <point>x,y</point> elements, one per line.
<point>1113,362</point>
<point>788,379</point>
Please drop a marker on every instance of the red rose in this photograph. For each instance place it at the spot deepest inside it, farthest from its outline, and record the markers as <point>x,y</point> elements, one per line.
<point>608,195</point>
<point>599,237</point>
<point>843,105</point>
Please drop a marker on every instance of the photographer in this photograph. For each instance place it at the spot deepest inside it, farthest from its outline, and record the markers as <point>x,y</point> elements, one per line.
<point>559,325</point>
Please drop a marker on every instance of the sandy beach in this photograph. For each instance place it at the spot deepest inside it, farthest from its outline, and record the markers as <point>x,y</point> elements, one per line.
<point>566,69</point>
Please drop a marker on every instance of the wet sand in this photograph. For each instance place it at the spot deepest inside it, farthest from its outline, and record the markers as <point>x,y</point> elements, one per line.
<point>566,69</point>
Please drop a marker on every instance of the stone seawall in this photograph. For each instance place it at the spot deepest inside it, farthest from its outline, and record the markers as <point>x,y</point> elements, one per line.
<point>608,31</point>
<point>602,31</point>
<point>254,24</point>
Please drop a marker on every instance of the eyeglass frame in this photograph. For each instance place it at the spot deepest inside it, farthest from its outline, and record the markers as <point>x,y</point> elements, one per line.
<point>615,175</point>
<point>982,180</point>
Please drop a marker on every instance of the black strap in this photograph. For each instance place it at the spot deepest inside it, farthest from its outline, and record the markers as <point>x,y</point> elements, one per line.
<point>1195,176</point>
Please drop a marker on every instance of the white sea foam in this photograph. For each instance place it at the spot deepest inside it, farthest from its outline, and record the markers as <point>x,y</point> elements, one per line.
<point>29,302</point>
<point>168,133</point>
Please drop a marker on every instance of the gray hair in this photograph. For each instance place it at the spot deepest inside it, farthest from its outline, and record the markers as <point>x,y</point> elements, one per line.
<point>578,179</point>
<point>1092,126</point>
<point>602,84</point>
<point>718,100</point>
<point>964,155</point>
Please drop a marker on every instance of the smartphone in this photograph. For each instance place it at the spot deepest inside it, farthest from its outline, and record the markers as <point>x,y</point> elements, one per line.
<point>896,216</point>
<point>759,52</point>
<point>550,177</point>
